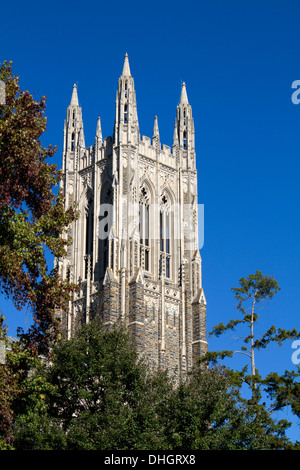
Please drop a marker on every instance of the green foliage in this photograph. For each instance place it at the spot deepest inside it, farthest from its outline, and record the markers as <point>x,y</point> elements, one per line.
<point>32,218</point>
<point>14,380</point>
<point>8,387</point>
<point>102,397</point>
<point>277,336</point>
<point>98,395</point>
<point>282,391</point>
<point>255,288</point>
<point>207,412</point>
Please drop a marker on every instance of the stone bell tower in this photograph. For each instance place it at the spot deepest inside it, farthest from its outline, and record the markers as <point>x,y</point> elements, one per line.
<point>135,253</point>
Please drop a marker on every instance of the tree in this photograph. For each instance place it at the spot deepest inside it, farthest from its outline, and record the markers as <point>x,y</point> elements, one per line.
<point>103,397</point>
<point>255,288</point>
<point>33,219</point>
<point>98,395</point>
<point>23,389</point>
<point>282,390</point>
<point>20,389</point>
<point>208,412</point>
<point>8,387</point>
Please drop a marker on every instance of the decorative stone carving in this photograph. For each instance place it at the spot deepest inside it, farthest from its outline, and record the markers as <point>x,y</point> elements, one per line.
<point>136,272</point>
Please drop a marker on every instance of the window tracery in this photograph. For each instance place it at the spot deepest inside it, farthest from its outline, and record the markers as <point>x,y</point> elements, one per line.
<point>165,236</point>
<point>144,228</point>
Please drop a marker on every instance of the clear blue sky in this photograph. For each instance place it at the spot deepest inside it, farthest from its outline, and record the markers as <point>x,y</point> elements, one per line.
<point>238,59</point>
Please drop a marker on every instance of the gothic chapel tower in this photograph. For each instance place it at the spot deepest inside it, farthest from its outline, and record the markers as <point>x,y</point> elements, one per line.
<point>135,254</point>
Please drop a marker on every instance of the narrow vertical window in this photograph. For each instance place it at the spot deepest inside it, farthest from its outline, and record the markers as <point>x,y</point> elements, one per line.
<point>112,254</point>
<point>125,113</point>
<point>141,222</point>
<point>184,140</point>
<point>167,232</point>
<point>72,142</point>
<point>161,232</point>
<point>168,266</point>
<point>144,229</point>
<point>147,259</point>
<point>147,225</point>
<point>89,224</point>
<point>87,235</point>
<point>105,255</point>
<point>105,245</point>
<point>165,239</point>
<point>106,201</point>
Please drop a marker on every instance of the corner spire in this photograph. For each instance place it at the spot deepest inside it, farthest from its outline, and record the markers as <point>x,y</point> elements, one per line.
<point>184,125</point>
<point>126,127</point>
<point>74,99</point>
<point>98,140</point>
<point>175,135</point>
<point>183,97</point>
<point>155,128</point>
<point>81,139</point>
<point>155,136</point>
<point>98,130</point>
<point>126,68</point>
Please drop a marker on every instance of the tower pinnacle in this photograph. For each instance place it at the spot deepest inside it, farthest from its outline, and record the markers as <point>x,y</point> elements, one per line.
<point>126,128</point>
<point>183,97</point>
<point>126,68</point>
<point>155,128</point>
<point>98,129</point>
<point>74,99</point>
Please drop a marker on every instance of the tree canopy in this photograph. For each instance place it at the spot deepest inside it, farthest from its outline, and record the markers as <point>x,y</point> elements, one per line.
<point>281,390</point>
<point>97,394</point>
<point>33,218</point>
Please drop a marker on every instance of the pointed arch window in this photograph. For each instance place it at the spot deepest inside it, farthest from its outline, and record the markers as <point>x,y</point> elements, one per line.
<point>105,245</point>
<point>89,228</point>
<point>144,227</point>
<point>165,235</point>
